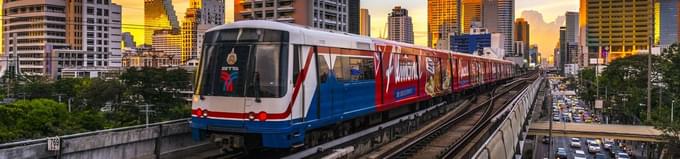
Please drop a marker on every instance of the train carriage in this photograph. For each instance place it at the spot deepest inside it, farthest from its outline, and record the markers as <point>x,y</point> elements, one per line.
<point>276,85</point>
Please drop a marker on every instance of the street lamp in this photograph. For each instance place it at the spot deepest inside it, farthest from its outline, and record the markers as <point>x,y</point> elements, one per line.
<point>672,107</point>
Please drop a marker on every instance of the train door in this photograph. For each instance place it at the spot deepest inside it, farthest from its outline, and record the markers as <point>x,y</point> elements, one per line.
<point>326,87</point>
<point>303,68</point>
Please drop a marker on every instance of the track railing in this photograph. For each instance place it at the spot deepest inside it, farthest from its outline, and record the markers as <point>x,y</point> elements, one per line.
<point>504,141</point>
<point>140,141</point>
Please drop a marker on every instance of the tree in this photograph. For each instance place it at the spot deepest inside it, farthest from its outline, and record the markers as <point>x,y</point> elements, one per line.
<point>26,119</point>
<point>159,87</point>
<point>628,76</point>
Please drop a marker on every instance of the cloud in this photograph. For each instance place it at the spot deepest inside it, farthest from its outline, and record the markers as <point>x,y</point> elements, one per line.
<point>545,34</point>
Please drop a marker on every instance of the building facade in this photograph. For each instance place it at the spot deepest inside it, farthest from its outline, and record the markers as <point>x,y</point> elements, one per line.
<point>200,16</point>
<point>168,42</point>
<point>670,20</point>
<point>522,34</point>
<point>158,14</point>
<point>498,16</point>
<point>353,13</point>
<point>36,31</point>
<point>471,12</point>
<point>400,26</point>
<point>151,58</point>
<point>365,22</point>
<point>572,25</point>
<point>622,33</point>
<point>470,43</point>
<point>325,14</point>
<point>443,19</point>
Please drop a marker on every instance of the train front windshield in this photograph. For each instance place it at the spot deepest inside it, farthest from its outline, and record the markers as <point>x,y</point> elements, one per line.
<point>244,63</point>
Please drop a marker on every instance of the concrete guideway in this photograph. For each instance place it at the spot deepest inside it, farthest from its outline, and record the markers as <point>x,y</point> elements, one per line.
<point>612,131</point>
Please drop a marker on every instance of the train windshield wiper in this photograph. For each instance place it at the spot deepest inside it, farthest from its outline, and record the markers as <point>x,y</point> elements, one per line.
<point>256,84</point>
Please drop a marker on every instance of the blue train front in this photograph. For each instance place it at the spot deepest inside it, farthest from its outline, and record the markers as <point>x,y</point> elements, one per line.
<point>256,86</point>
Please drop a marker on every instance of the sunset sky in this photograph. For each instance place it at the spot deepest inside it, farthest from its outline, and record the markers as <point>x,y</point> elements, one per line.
<point>543,16</point>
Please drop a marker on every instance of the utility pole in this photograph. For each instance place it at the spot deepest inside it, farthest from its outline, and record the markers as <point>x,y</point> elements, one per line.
<point>649,66</point>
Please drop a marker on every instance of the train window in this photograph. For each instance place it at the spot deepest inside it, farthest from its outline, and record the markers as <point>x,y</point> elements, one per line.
<point>353,68</point>
<point>296,62</point>
<point>323,68</point>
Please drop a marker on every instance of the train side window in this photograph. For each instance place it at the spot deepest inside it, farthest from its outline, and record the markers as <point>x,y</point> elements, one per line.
<point>296,63</point>
<point>353,68</point>
<point>323,68</point>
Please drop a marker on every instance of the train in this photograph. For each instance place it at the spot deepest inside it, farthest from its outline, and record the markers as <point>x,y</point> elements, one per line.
<point>278,85</point>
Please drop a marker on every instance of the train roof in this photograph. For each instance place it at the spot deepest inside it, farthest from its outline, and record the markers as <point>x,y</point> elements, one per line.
<point>313,36</point>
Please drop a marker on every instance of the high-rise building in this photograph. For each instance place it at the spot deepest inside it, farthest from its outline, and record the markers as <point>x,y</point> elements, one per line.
<point>670,15</point>
<point>498,17</point>
<point>325,14</point>
<point>533,56</point>
<point>158,14</point>
<point>353,9</point>
<point>200,16</point>
<point>613,35</point>
<point>471,12</point>
<point>443,18</point>
<point>582,43</point>
<point>400,26</point>
<point>365,22</point>
<point>572,26</point>
<point>128,40</point>
<point>168,42</point>
<point>568,51</point>
<point>522,34</point>
<point>40,34</point>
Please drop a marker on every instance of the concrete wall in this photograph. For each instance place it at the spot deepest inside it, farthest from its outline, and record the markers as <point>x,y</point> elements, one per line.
<point>130,142</point>
<point>505,141</point>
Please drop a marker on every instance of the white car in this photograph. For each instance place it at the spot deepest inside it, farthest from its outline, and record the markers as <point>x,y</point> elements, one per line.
<point>593,147</point>
<point>575,142</point>
<point>622,155</point>
<point>579,154</point>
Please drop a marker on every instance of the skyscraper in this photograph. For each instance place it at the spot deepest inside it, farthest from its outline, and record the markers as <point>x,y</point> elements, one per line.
<point>498,17</point>
<point>582,43</point>
<point>400,26</point>
<point>572,26</point>
<point>200,16</point>
<point>522,34</point>
<point>471,12</point>
<point>670,10</point>
<point>39,34</point>
<point>353,23</point>
<point>158,14</point>
<point>612,35</point>
<point>325,14</point>
<point>443,18</point>
<point>365,22</point>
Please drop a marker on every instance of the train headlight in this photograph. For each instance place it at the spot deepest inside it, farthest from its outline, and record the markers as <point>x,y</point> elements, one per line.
<point>205,113</point>
<point>251,116</point>
<point>262,116</point>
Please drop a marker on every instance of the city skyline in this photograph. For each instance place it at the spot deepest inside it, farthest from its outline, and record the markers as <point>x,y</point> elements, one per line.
<point>551,11</point>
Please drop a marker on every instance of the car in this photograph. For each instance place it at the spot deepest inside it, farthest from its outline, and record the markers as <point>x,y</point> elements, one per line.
<point>579,154</point>
<point>575,142</point>
<point>556,118</point>
<point>561,153</point>
<point>546,140</point>
<point>608,144</point>
<point>622,155</point>
<point>593,147</point>
<point>600,156</point>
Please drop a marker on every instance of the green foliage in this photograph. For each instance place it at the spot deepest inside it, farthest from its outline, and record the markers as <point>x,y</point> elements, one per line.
<point>41,114</point>
<point>37,118</point>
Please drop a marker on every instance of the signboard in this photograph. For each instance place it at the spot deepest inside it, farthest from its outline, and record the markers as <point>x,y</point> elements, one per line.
<point>598,104</point>
<point>53,144</point>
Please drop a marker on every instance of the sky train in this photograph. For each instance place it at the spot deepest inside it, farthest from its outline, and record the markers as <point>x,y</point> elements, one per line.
<point>278,85</point>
